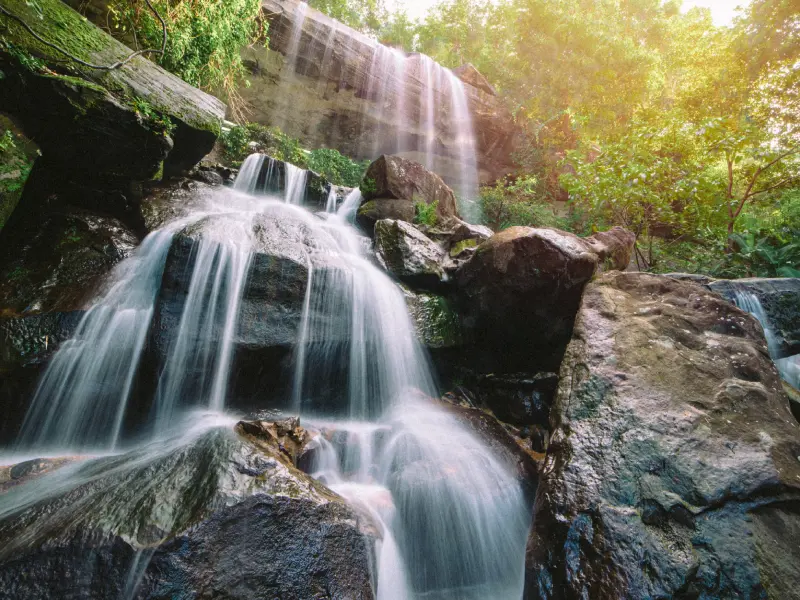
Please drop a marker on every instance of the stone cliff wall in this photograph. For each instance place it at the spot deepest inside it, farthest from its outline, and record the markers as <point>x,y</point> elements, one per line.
<point>316,83</point>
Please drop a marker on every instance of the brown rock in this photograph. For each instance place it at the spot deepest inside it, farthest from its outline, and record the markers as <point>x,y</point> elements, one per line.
<point>394,177</point>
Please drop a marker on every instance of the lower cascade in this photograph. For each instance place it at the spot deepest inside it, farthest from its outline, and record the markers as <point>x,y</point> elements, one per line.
<point>449,519</point>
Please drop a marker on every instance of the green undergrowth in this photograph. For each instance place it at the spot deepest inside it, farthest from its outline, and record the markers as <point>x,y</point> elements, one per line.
<point>16,161</point>
<point>425,214</point>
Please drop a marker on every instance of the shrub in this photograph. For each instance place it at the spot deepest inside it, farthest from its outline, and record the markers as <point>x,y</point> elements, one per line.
<point>205,38</point>
<point>516,202</point>
<point>425,214</point>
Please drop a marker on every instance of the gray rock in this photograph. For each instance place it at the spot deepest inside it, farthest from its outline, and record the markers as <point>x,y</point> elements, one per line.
<point>397,178</point>
<point>672,470</point>
<point>436,320</point>
<point>212,514</point>
<point>408,254</point>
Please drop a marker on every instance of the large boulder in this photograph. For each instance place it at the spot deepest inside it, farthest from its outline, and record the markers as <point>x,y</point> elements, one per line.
<point>780,301</point>
<point>101,132</point>
<point>113,122</point>
<point>206,514</point>
<point>521,289</point>
<point>408,253</point>
<point>397,179</point>
<point>673,467</point>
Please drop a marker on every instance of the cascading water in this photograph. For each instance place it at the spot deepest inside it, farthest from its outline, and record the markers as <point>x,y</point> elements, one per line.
<point>788,367</point>
<point>452,519</point>
<point>82,397</point>
<point>414,106</point>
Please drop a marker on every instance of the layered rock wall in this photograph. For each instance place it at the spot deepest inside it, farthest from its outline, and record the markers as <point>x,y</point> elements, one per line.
<point>317,83</point>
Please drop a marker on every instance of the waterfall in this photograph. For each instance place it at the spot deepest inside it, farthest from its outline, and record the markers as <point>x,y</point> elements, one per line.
<point>413,106</point>
<point>789,367</point>
<point>451,517</point>
<point>467,187</point>
<point>82,397</point>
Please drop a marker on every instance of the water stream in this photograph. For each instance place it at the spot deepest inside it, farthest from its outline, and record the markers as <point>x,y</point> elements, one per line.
<point>452,517</point>
<point>414,106</point>
<point>788,367</point>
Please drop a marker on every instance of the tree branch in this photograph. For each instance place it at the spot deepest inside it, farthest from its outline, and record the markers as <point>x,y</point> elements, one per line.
<point>774,186</point>
<point>111,67</point>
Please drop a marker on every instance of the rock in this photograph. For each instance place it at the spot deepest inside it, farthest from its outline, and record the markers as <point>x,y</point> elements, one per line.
<point>521,288</point>
<point>101,133</point>
<point>613,248</point>
<point>520,399</point>
<point>373,211</point>
<point>60,266</point>
<point>285,438</point>
<point>14,475</point>
<point>102,123</point>
<point>471,76</point>
<point>209,515</point>
<point>26,344</point>
<point>794,399</point>
<point>672,470</point>
<point>394,177</point>
<point>780,299</point>
<point>464,231</point>
<point>323,86</point>
<point>271,305</point>
<point>436,320</point>
<point>408,254</point>
<point>693,277</point>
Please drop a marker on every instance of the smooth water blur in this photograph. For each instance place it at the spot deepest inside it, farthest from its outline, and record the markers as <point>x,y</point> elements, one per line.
<point>789,368</point>
<point>451,519</point>
<point>81,399</point>
<point>416,107</point>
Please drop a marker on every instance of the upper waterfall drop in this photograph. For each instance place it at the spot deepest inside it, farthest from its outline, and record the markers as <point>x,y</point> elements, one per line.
<point>396,102</point>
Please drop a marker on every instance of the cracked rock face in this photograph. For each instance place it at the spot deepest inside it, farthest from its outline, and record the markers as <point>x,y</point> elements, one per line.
<point>673,467</point>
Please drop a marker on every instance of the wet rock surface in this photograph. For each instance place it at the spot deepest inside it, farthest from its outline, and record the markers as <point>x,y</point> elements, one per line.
<point>521,289</point>
<point>409,254</point>
<point>673,467</point>
<point>60,266</point>
<point>210,515</point>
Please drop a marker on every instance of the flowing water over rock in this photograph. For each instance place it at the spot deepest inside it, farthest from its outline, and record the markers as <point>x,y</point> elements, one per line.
<point>788,367</point>
<point>450,519</point>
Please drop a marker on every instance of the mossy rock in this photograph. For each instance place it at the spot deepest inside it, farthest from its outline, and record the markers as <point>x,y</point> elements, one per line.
<point>119,123</point>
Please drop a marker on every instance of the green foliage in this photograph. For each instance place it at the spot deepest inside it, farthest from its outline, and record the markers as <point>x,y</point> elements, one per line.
<point>647,116</point>
<point>425,214</point>
<point>235,143</point>
<point>152,119</point>
<point>336,167</point>
<point>22,56</point>
<point>765,260</point>
<point>16,162</point>
<point>368,186</point>
<point>518,202</point>
<point>364,15</point>
<point>205,38</point>
<point>241,141</point>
